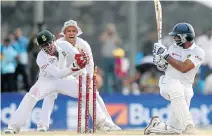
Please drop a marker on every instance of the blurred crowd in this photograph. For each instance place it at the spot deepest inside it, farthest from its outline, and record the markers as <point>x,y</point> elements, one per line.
<point>19,69</point>
<point>14,61</point>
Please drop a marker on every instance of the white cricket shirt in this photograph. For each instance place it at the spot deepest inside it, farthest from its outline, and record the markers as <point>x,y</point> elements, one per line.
<point>57,67</point>
<point>194,53</point>
<point>83,45</point>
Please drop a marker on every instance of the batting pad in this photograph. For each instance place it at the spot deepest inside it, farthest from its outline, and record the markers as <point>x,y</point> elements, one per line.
<point>181,111</point>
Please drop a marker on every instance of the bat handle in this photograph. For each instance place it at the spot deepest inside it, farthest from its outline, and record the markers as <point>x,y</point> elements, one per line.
<point>160,41</point>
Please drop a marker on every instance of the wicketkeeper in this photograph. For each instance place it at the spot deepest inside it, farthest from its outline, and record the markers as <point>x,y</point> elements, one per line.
<point>70,33</point>
<point>52,78</point>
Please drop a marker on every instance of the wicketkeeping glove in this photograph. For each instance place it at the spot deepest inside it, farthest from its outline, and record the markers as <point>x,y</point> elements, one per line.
<point>85,56</point>
<point>80,60</point>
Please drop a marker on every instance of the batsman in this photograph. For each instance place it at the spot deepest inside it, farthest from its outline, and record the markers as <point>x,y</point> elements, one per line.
<point>184,58</point>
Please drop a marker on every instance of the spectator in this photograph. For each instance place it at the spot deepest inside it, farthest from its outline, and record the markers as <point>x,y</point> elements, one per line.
<point>121,68</point>
<point>145,79</point>
<point>33,50</point>
<point>205,41</point>
<point>8,65</point>
<point>110,41</point>
<point>21,47</point>
<point>149,81</point>
<point>11,36</point>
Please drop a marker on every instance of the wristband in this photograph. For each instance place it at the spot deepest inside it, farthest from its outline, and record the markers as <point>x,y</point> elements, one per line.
<point>166,56</point>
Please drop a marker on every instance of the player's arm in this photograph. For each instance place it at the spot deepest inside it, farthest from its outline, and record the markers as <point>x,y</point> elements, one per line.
<point>60,73</point>
<point>86,53</point>
<point>181,66</point>
<point>69,48</point>
<point>194,60</point>
<point>56,72</point>
<point>90,65</point>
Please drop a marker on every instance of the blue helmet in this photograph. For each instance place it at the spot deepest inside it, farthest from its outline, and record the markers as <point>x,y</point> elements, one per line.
<point>184,31</point>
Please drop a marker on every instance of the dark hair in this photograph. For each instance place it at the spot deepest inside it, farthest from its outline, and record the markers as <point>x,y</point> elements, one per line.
<point>7,40</point>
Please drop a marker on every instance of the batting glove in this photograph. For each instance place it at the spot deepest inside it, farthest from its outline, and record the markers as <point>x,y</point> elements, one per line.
<point>162,67</point>
<point>161,50</point>
<point>156,59</point>
<point>156,48</point>
<point>160,62</point>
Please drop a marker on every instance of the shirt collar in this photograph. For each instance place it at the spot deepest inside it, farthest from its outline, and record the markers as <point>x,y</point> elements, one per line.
<point>191,47</point>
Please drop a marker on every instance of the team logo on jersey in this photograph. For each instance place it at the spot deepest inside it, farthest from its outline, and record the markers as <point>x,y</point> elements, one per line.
<point>188,56</point>
<point>64,54</point>
<point>175,54</point>
<point>44,66</point>
<point>198,58</point>
<point>43,37</point>
<point>52,60</point>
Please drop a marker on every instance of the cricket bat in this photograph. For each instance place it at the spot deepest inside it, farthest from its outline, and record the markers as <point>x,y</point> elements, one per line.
<point>158,13</point>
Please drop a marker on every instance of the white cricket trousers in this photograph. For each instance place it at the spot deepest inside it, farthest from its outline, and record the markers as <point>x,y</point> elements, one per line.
<point>42,88</point>
<point>48,105</point>
<point>179,95</point>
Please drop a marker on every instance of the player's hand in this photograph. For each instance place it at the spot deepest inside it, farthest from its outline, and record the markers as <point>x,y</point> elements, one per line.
<point>156,59</point>
<point>159,60</point>
<point>162,67</point>
<point>85,56</point>
<point>157,47</point>
<point>75,67</point>
<point>80,61</point>
<point>160,49</point>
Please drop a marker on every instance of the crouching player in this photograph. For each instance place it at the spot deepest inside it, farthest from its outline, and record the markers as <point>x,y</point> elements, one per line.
<point>70,33</point>
<point>184,59</point>
<point>52,78</point>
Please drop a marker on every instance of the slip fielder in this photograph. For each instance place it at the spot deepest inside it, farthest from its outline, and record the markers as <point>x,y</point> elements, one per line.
<point>70,33</point>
